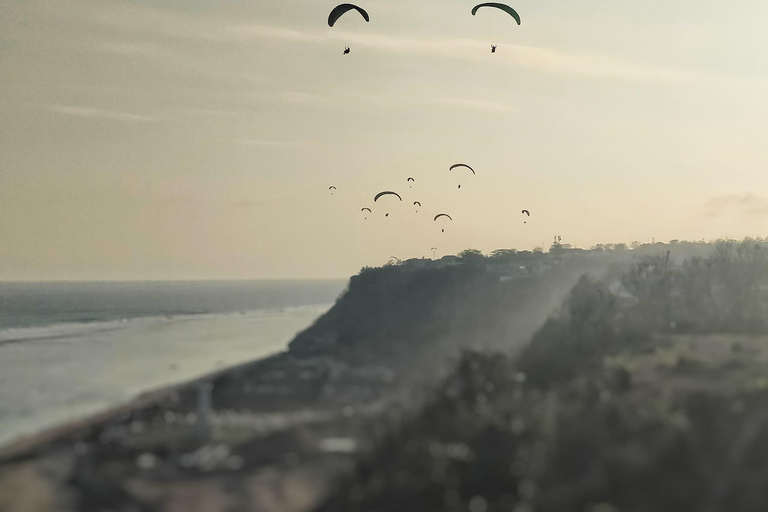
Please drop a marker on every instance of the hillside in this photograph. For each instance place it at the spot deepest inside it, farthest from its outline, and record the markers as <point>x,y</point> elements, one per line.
<point>647,394</point>
<point>605,380</point>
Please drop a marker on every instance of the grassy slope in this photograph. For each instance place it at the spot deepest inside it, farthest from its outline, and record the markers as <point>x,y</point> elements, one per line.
<point>646,397</point>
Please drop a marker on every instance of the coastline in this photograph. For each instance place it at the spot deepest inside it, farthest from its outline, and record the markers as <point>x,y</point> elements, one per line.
<point>27,443</point>
<point>280,434</point>
<point>248,337</point>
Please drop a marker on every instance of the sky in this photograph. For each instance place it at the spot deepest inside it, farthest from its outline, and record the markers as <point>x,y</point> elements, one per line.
<point>197,139</point>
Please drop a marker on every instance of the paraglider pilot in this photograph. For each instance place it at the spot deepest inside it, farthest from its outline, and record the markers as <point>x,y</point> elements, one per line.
<point>493,48</point>
<point>346,50</point>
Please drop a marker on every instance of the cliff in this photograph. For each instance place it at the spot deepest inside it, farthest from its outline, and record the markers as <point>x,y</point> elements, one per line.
<point>644,394</point>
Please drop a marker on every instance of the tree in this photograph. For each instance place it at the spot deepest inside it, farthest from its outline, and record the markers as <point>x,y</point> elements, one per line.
<point>471,255</point>
<point>504,255</point>
<point>556,249</point>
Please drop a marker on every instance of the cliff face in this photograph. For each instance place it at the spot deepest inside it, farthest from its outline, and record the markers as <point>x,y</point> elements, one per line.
<point>391,308</point>
<point>403,311</point>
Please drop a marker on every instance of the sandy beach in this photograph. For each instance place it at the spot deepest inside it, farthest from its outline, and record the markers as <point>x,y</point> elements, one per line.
<point>53,375</point>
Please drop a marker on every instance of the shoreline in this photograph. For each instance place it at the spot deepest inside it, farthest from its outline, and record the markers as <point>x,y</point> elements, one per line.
<point>25,445</point>
<point>79,327</point>
<point>247,339</point>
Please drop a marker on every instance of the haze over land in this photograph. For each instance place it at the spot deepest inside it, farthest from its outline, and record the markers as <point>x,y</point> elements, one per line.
<point>189,140</point>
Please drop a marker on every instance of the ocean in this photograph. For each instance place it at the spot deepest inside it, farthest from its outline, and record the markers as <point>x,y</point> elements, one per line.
<point>41,304</point>
<point>68,350</point>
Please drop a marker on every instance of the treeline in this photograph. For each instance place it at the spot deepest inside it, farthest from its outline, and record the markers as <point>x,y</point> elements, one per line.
<point>679,251</point>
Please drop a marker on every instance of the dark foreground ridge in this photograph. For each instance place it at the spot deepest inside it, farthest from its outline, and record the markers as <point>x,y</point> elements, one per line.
<point>645,391</point>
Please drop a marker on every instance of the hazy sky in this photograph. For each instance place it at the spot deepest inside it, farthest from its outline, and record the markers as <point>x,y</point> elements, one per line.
<point>191,139</point>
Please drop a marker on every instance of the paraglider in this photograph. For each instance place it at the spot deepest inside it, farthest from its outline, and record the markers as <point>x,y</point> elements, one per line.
<point>366,210</point>
<point>526,212</point>
<point>387,193</point>
<point>434,250</point>
<point>341,10</point>
<point>439,215</point>
<point>503,7</point>
<point>411,180</point>
<point>417,203</point>
<point>331,188</point>
<point>455,166</point>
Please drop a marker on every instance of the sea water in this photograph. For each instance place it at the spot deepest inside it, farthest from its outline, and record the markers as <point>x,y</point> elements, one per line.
<point>68,350</point>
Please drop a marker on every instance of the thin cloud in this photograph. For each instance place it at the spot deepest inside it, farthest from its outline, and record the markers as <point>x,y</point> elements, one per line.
<point>212,112</point>
<point>298,97</point>
<point>129,49</point>
<point>247,204</point>
<point>270,143</point>
<point>173,25</point>
<point>745,204</point>
<point>554,61</point>
<point>101,114</point>
<point>275,33</point>
<point>530,57</point>
<point>290,97</point>
<point>487,106</point>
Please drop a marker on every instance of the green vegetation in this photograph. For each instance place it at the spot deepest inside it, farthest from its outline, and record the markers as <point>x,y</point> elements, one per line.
<point>643,394</point>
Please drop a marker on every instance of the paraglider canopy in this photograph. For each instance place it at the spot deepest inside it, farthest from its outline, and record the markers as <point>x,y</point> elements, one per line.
<point>366,209</point>
<point>331,188</point>
<point>503,7</point>
<point>526,212</point>
<point>387,193</point>
<point>454,166</point>
<point>416,203</point>
<point>342,9</point>
<point>410,179</point>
